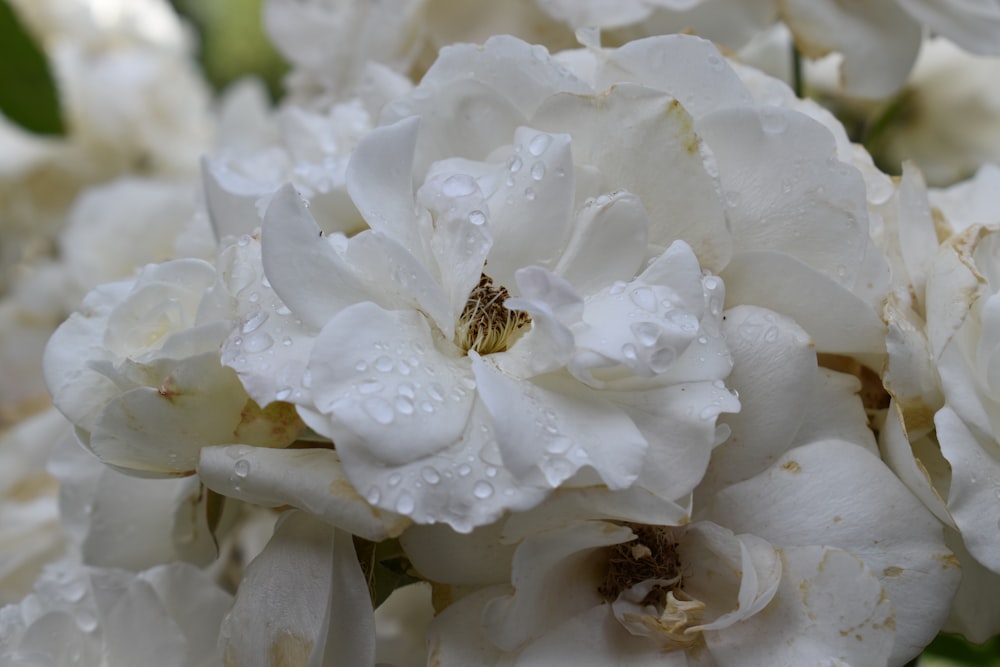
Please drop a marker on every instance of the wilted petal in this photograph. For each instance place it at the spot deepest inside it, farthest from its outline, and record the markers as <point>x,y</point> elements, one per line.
<point>303,600</point>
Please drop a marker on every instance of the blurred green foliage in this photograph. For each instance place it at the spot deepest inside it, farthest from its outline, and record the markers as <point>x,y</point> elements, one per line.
<point>232,41</point>
<point>28,93</point>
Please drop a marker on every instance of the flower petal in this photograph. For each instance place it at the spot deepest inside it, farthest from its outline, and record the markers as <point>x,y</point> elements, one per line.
<point>303,600</point>
<point>309,479</point>
<point>392,387</point>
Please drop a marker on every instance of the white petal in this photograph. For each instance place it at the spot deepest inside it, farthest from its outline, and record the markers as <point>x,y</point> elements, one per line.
<point>974,613</point>
<point>972,25</point>
<point>465,483</point>
<point>303,600</point>
<point>270,346</point>
<point>549,576</point>
<point>975,485</point>
<point>607,242</point>
<point>456,637</point>
<point>548,432</point>
<point>800,201</point>
<point>864,32</point>
<point>837,320</point>
<point>836,494</point>
<point>391,386</point>
<point>441,555</point>
<point>532,212</point>
<point>829,609</point>
<point>835,412</point>
<point>689,68</point>
<point>774,373</point>
<point>650,130</point>
<point>296,256</point>
<point>309,479</point>
<point>380,181</point>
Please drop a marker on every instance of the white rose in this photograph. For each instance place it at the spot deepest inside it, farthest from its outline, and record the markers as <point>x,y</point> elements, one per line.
<point>137,372</point>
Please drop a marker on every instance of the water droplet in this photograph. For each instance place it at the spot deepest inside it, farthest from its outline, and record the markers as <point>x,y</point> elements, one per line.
<point>841,270</point>
<point>243,241</point>
<point>254,321</point>
<point>530,194</point>
<point>617,287</point>
<point>629,352</point>
<point>559,444</point>
<point>435,391</point>
<point>75,590</point>
<point>405,504</point>
<point>711,412</point>
<point>711,283</point>
<point>482,490</point>
<point>283,394</point>
<point>406,389</point>
<point>538,171</point>
<point>404,405</point>
<point>241,468</point>
<point>539,143</point>
<point>430,475</point>
<point>427,407</point>
<point>515,164</point>
<point>254,297</point>
<point>86,620</point>
<point>286,341</point>
<point>645,298</point>
<point>307,378</point>
<point>383,364</point>
<point>646,333</point>
<point>379,409</point>
<point>464,470</point>
<point>477,218</point>
<point>370,386</point>
<point>773,120</point>
<point>458,185</point>
<point>361,366</point>
<point>283,310</point>
<point>662,359</point>
<point>373,496</point>
<point>258,342</point>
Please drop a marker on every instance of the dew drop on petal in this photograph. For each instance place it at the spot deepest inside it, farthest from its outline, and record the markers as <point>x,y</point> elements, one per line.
<point>307,378</point>
<point>773,121</point>
<point>257,342</point>
<point>427,407</point>
<point>379,409</point>
<point>515,164</point>
<point>458,185</point>
<point>361,366</point>
<point>477,218</point>
<point>530,194</point>
<point>646,333</point>
<point>629,351</point>
<point>243,241</point>
<point>430,475</point>
<point>662,359</point>
<point>286,341</point>
<point>241,468</point>
<point>283,394</point>
<point>370,386</point>
<point>538,171</point>
<point>539,143</point>
<point>405,504</point>
<point>404,405</point>
<point>435,391</point>
<point>464,470</point>
<point>383,364</point>
<point>86,620</point>
<point>644,298</point>
<point>395,478</point>
<point>254,321</point>
<point>559,444</point>
<point>482,490</point>
<point>373,496</point>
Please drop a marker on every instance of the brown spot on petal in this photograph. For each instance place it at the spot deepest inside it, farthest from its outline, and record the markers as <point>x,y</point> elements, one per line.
<point>277,425</point>
<point>873,394</point>
<point>32,486</point>
<point>289,650</point>
<point>792,466</point>
<point>892,571</point>
<point>947,560</point>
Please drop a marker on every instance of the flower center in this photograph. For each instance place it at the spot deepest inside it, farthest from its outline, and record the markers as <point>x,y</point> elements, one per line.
<point>485,325</point>
<point>651,555</point>
<point>646,574</point>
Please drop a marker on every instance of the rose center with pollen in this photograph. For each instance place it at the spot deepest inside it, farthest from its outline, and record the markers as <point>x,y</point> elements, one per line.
<point>653,557</point>
<point>485,325</point>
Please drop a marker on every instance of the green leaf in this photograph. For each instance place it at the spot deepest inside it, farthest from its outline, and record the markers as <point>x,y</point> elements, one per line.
<point>28,94</point>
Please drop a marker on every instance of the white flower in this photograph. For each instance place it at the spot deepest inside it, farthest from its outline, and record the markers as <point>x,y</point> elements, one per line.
<point>168,616</point>
<point>802,549</point>
<point>137,372</point>
<point>31,535</point>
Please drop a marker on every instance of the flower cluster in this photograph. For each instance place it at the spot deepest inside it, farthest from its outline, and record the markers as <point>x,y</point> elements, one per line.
<point>609,350</point>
